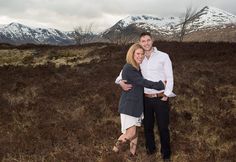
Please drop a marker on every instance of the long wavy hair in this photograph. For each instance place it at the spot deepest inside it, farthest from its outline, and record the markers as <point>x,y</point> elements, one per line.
<point>130,55</point>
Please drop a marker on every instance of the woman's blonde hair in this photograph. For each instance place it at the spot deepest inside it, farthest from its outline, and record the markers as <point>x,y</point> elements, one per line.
<point>130,55</point>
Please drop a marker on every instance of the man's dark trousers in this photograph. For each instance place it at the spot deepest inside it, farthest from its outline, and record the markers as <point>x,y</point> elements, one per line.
<point>155,107</point>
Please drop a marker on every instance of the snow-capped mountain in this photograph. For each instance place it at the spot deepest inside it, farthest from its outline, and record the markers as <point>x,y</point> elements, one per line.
<point>146,23</point>
<point>208,23</point>
<point>16,33</point>
<point>213,17</point>
<point>154,21</point>
<point>209,18</point>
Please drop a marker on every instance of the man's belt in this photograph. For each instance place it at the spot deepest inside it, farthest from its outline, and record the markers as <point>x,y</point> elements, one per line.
<point>158,95</point>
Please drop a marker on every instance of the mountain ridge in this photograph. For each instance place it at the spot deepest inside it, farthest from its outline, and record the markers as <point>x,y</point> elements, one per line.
<point>165,28</point>
<point>16,33</point>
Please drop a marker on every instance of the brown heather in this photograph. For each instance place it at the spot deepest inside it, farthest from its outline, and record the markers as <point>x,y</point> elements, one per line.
<point>59,104</point>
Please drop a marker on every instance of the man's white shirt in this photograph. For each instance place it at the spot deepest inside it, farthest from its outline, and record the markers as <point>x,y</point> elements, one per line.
<point>157,67</point>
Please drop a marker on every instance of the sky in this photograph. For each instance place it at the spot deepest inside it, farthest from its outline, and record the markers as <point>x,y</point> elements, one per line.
<point>66,15</point>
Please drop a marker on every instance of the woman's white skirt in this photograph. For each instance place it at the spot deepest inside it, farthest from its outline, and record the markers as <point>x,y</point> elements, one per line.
<point>128,121</point>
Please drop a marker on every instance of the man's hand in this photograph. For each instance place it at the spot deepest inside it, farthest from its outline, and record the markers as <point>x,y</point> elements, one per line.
<point>125,86</point>
<point>165,98</point>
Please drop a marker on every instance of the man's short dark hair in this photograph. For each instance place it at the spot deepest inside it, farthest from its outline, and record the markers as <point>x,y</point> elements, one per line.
<point>144,34</point>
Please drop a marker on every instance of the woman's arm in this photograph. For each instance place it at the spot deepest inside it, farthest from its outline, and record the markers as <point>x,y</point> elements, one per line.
<point>134,77</point>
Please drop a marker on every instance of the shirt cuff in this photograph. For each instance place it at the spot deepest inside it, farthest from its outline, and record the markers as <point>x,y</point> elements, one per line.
<point>117,81</point>
<point>169,94</point>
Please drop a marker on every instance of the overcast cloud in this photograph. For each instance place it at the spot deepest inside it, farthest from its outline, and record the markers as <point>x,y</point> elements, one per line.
<point>67,14</point>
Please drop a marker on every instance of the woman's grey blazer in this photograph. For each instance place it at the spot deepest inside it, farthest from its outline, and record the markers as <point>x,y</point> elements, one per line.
<point>131,102</point>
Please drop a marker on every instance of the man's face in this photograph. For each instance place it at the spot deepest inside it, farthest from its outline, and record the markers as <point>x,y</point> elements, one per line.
<point>146,42</point>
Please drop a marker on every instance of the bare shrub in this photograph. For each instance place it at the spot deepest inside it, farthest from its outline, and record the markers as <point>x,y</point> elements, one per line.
<point>24,96</point>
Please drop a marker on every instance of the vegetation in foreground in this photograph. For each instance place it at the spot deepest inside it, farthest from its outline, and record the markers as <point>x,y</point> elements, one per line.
<point>60,103</point>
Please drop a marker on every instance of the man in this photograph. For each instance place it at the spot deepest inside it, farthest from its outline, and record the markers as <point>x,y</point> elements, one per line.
<point>155,66</point>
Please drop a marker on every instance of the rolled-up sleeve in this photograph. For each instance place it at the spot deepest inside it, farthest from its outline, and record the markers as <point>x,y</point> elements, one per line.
<point>169,77</point>
<point>119,78</point>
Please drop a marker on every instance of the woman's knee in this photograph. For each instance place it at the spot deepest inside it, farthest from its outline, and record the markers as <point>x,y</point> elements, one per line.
<point>132,132</point>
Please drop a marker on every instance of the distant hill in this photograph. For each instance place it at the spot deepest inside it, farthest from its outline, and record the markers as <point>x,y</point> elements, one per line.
<point>210,19</point>
<point>16,33</point>
<point>213,24</point>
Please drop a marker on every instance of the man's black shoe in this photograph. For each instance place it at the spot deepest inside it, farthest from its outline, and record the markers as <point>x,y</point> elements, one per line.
<point>166,158</point>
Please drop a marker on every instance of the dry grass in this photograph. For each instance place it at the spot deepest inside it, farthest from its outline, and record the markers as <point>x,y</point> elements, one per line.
<point>13,57</point>
<point>60,57</point>
<point>68,112</point>
<point>227,34</point>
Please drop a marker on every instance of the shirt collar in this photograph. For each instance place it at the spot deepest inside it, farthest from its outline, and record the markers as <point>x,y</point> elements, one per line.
<point>154,52</point>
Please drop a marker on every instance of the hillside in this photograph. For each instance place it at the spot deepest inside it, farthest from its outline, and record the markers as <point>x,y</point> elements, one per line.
<point>16,33</point>
<point>167,28</point>
<point>60,103</point>
<point>226,34</point>
<point>210,19</point>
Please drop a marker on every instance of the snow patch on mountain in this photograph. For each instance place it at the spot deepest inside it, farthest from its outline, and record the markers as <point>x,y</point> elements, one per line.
<point>151,20</point>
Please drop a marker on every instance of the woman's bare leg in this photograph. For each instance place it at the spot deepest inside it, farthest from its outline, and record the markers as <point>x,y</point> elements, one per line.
<point>133,145</point>
<point>129,135</point>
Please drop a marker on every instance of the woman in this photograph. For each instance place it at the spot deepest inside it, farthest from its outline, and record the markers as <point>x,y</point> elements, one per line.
<point>131,102</point>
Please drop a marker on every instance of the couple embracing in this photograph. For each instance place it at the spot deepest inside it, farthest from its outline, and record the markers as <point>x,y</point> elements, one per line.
<point>147,83</point>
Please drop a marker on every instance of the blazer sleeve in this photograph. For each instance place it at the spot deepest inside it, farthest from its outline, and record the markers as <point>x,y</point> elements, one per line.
<point>133,76</point>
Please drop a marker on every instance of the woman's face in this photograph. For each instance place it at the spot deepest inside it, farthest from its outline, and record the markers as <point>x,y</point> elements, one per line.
<point>138,55</point>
